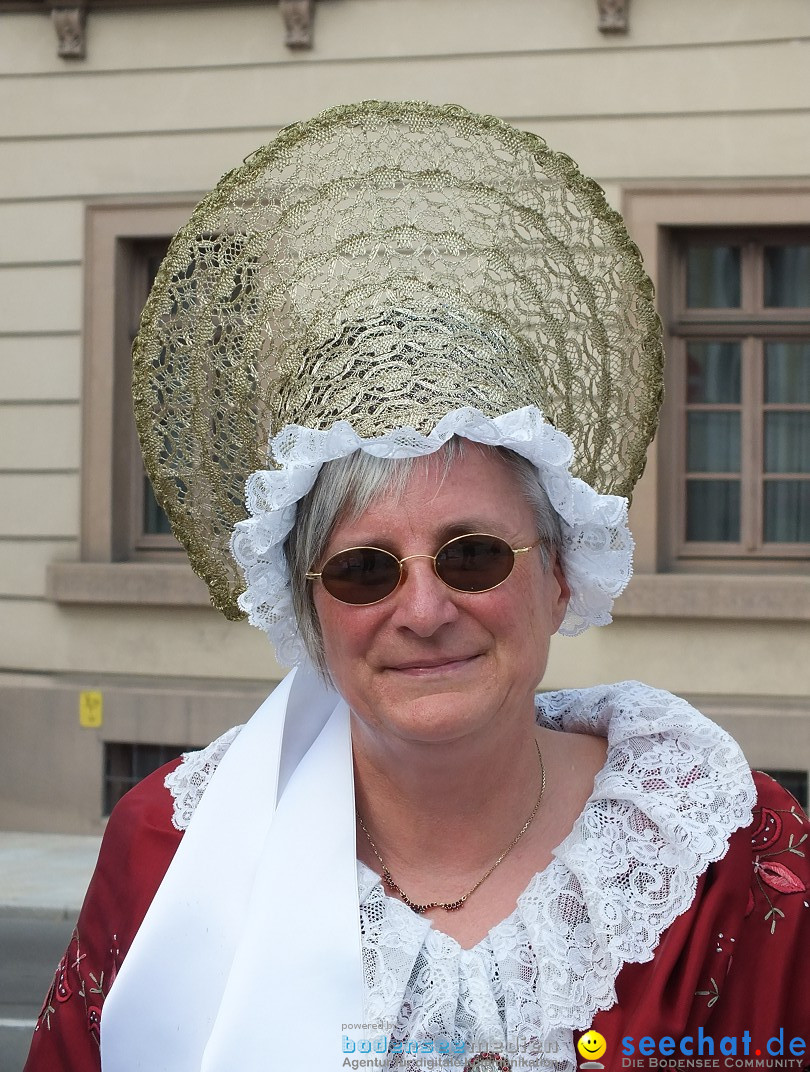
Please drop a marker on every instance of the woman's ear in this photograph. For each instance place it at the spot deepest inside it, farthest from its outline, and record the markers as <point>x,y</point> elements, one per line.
<point>561,593</point>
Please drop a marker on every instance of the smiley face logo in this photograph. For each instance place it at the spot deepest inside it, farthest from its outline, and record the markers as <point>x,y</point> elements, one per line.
<point>592,1046</point>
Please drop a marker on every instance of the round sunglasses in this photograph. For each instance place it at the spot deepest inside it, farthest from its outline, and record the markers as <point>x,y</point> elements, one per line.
<point>476,562</point>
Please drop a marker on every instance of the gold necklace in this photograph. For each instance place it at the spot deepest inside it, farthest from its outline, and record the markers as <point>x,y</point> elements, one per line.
<point>454,906</point>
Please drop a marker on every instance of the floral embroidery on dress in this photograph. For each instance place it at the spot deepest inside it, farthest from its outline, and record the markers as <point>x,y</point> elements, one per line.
<point>73,976</point>
<point>775,832</point>
<point>774,877</point>
<point>61,986</point>
<point>713,994</point>
<point>724,948</point>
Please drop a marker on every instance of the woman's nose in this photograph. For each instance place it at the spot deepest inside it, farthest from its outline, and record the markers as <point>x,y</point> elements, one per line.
<point>424,603</point>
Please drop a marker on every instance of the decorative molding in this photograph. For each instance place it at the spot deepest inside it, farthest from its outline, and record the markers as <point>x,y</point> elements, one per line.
<point>613,16</point>
<point>70,20</point>
<point>298,19</point>
<point>70,23</point>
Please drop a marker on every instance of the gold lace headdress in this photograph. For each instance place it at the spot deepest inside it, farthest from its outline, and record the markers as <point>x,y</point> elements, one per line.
<point>384,264</point>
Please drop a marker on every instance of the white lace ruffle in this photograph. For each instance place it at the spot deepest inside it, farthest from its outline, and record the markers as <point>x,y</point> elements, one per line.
<point>673,789</point>
<point>597,545</point>
<point>189,779</point>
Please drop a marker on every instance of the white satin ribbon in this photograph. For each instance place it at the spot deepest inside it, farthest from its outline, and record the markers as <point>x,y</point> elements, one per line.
<point>235,965</point>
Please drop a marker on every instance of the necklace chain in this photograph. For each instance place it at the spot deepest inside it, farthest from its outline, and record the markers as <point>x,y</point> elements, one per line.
<point>454,906</point>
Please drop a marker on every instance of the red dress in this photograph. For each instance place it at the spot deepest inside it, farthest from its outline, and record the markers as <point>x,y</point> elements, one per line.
<point>737,961</point>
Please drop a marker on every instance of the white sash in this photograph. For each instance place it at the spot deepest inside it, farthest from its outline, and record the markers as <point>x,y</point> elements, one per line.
<point>249,958</point>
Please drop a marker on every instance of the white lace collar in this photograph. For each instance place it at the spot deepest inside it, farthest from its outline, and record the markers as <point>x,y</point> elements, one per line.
<point>673,789</point>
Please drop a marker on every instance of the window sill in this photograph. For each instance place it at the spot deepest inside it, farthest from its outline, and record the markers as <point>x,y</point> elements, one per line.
<point>750,598</point>
<point>660,595</point>
<point>158,584</point>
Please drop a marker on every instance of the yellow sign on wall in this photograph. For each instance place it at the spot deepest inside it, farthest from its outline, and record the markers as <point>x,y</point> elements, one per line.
<point>91,710</point>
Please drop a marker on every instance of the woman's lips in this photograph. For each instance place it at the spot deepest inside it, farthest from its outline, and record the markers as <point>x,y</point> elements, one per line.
<point>418,667</point>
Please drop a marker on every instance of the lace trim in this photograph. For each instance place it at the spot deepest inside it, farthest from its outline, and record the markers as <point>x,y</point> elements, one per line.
<point>189,779</point>
<point>673,789</point>
<point>597,545</point>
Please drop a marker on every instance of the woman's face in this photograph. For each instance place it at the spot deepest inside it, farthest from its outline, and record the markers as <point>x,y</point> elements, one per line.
<point>428,663</point>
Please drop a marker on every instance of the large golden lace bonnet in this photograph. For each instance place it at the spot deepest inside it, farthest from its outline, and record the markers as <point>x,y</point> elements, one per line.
<point>398,217</point>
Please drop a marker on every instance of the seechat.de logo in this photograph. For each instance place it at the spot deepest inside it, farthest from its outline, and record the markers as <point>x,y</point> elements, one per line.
<point>591,1047</point>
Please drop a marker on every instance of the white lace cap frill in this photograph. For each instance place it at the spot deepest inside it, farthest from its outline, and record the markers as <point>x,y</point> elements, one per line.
<point>673,789</point>
<point>597,545</point>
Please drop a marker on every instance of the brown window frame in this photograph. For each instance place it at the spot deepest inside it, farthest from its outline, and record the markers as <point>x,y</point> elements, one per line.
<point>752,324</point>
<point>121,243</point>
<point>118,562</point>
<point>664,586</point>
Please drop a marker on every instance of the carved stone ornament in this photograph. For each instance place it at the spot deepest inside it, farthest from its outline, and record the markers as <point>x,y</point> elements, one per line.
<point>613,15</point>
<point>298,17</point>
<point>70,25</point>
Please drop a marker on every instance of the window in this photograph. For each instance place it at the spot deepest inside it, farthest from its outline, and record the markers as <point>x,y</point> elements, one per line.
<point>125,245</point>
<point>741,354</point>
<point>767,579</point>
<point>127,764</point>
<point>127,552</point>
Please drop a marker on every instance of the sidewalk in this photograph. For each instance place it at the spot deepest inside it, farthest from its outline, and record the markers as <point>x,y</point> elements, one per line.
<point>45,874</point>
<point>43,878</point>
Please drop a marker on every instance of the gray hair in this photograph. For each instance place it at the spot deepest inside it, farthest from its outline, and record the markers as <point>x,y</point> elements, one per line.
<point>346,487</point>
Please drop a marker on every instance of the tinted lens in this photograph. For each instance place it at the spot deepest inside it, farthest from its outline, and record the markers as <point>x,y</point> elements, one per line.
<point>474,563</point>
<point>361,575</point>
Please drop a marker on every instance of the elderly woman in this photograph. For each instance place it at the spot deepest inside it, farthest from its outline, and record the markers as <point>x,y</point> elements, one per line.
<point>407,859</point>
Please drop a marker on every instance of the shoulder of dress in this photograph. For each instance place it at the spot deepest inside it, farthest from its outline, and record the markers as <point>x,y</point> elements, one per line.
<point>138,846</point>
<point>773,851</point>
<point>146,805</point>
<point>187,780</point>
<point>770,794</point>
<point>779,827</point>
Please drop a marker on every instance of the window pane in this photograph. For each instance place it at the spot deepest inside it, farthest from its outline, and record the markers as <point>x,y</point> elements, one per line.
<point>712,371</point>
<point>787,276</point>
<point>713,442</point>
<point>155,521</point>
<point>148,757</point>
<point>787,442</point>
<point>787,511</point>
<point>117,774</point>
<point>787,371</point>
<point>125,764</point>
<point>713,510</point>
<point>713,277</point>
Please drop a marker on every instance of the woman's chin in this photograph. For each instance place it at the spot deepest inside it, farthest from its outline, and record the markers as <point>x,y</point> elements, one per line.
<point>439,716</point>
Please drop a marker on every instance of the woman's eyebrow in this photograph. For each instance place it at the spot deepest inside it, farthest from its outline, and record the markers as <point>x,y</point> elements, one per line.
<point>468,527</point>
<point>439,536</point>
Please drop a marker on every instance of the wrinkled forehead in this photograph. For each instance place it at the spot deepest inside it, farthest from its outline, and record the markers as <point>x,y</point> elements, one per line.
<point>381,483</point>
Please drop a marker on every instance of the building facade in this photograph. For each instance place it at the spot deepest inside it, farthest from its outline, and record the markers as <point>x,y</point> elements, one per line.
<point>694,117</point>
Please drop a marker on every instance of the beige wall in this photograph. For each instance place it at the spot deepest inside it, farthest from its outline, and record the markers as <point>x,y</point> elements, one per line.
<point>167,101</point>
<point>59,785</point>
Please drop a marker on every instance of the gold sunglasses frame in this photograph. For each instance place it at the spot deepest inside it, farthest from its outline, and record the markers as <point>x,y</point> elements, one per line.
<point>311,575</point>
